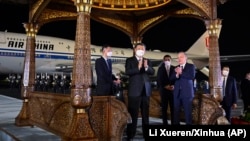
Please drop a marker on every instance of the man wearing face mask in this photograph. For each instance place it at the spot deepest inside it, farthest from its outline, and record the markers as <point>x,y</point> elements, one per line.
<point>229,92</point>
<point>138,69</point>
<point>105,77</point>
<point>166,87</point>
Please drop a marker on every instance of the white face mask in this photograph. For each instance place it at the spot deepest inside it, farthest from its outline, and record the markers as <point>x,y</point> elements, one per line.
<point>139,53</point>
<point>109,54</point>
<point>167,63</point>
<point>225,73</point>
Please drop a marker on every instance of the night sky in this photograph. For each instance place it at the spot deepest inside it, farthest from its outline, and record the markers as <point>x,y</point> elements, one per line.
<point>172,35</point>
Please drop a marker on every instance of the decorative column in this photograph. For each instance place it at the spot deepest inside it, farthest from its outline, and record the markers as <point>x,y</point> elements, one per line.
<point>81,81</point>
<point>28,73</point>
<point>213,27</point>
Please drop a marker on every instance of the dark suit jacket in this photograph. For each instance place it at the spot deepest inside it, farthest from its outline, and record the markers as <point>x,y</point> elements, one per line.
<point>138,78</point>
<point>245,90</point>
<point>184,82</point>
<point>104,77</point>
<point>162,77</point>
<point>230,92</point>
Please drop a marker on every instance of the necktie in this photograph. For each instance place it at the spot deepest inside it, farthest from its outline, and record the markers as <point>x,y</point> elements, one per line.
<point>224,86</point>
<point>109,63</point>
<point>167,68</point>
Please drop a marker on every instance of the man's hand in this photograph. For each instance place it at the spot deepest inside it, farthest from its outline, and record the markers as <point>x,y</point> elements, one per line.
<point>178,71</point>
<point>234,106</point>
<point>169,87</point>
<point>118,81</point>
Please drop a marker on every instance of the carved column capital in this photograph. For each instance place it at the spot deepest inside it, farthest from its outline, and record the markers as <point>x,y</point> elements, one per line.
<point>31,29</point>
<point>136,39</point>
<point>83,5</point>
<point>213,27</point>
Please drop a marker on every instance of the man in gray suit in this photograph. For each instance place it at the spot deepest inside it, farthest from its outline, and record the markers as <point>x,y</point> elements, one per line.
<point>138,69</point>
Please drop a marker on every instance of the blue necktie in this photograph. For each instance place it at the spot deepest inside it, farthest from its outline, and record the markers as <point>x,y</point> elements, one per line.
<point>109,64</point>
<point>224,86</point>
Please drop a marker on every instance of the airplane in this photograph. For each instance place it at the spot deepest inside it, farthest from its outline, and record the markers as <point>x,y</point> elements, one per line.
<point>55,55</point>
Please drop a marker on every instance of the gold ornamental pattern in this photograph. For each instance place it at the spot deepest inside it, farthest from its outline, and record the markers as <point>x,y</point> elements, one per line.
<point>128,4</point>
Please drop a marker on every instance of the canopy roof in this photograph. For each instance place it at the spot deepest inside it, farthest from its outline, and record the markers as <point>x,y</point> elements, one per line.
<point>133,17</point>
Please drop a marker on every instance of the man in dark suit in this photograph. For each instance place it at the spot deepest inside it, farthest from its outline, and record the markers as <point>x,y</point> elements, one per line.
<point>166,87</point>
<point>183,76</point>
<point>229,92</point>
<point>138,69</point>
<point>105,78</point>
<point>245,91</point>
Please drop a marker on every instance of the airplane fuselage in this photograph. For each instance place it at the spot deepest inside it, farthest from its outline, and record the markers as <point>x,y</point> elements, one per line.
<point>52,54</point>
<point>56,55</point>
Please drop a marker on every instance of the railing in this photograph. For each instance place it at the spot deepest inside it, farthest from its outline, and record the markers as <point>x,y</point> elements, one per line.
<point>53,112</point>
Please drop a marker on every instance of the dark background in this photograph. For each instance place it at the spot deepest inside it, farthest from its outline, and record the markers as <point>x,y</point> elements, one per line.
<point>172,35</point>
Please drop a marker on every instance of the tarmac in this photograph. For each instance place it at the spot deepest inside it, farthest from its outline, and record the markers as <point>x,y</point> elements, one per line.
<point>10,108</point>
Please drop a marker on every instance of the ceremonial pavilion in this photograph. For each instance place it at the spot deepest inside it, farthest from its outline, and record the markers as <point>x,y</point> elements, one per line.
<point>80,116</point>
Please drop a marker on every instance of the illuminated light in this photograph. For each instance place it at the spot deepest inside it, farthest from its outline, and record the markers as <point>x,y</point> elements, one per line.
<point>79,111</point>
<point>213,27</point>
<point>83,5</point>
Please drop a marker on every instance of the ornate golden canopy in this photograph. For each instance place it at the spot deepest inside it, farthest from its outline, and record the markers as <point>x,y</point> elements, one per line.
<point>128,5</point>
<point>133,17</point>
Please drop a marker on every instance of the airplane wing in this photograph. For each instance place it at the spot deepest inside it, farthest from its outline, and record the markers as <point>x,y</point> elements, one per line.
<point>234,58</point>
